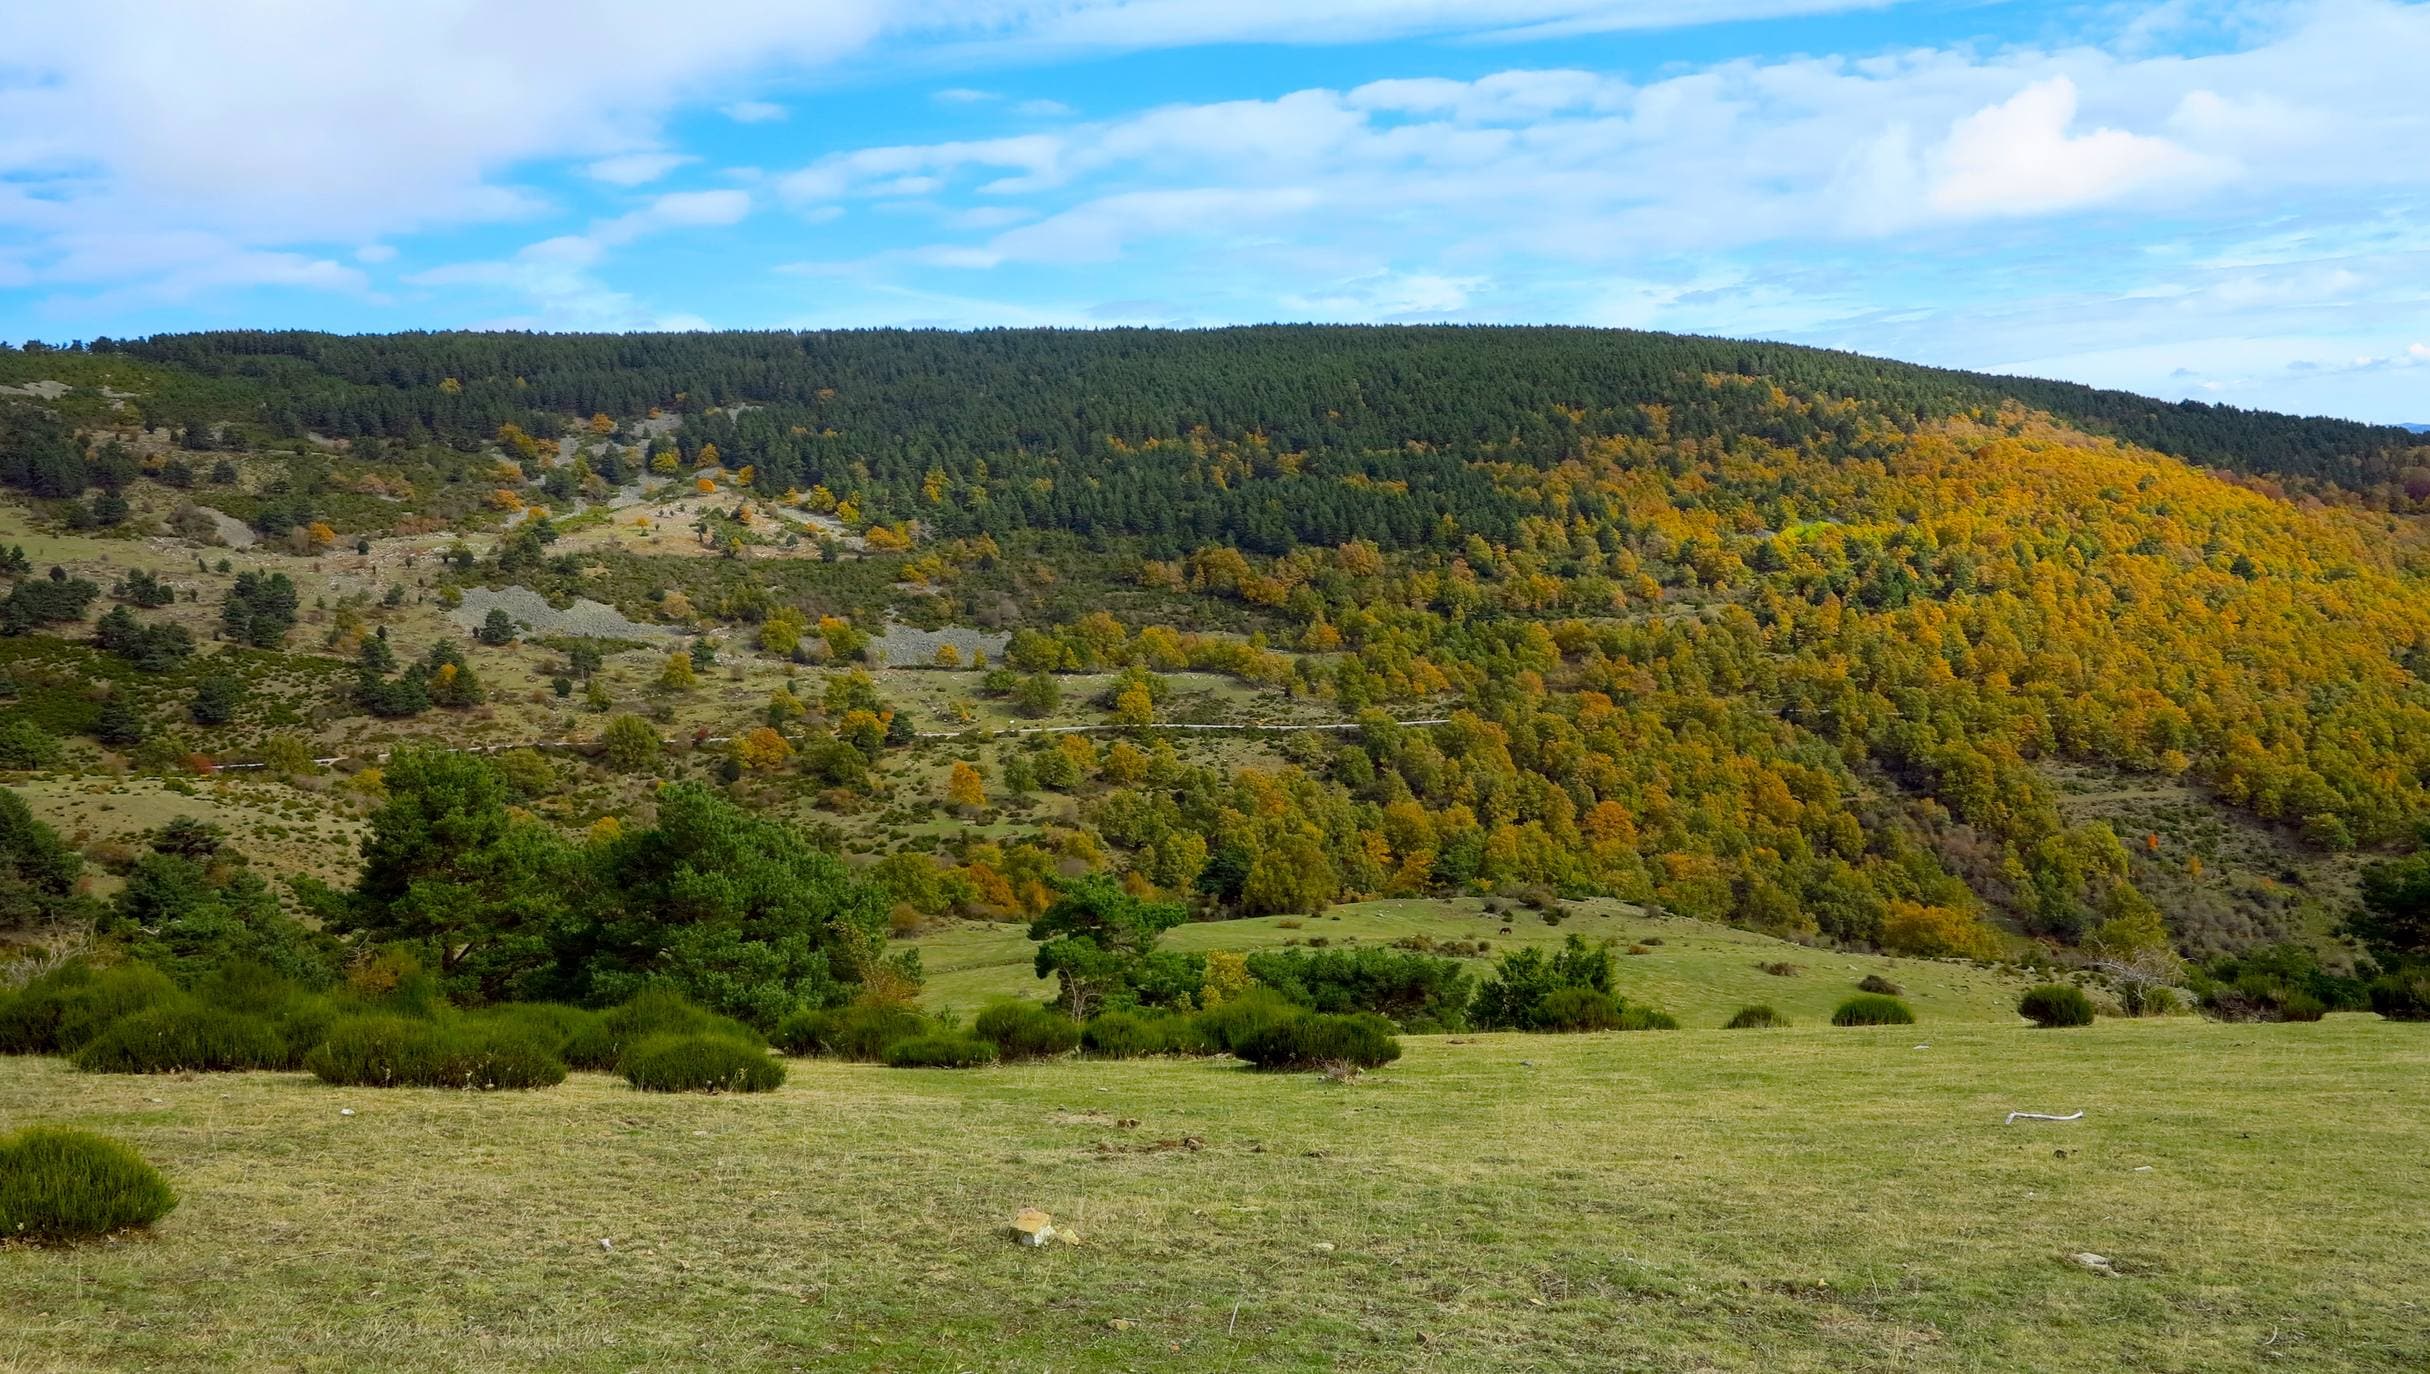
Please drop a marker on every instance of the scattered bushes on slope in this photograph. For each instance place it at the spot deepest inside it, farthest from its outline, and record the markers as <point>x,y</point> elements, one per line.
<point>2056,1005</point>
<point>58,1184</point>
<point>698,1063</point>
<point>1873,1010</point>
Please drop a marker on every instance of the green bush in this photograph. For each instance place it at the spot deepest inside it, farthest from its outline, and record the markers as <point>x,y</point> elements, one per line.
<point>1634,1018</point>
<point>555,1022</point>
<point>1578,1009</point>
<point>1873,1010</point>
<point>688,1063</point>
<point>1138,1035</point>
<point>808,1031</point>
<point>408,1052</point>
<point>940,1050</point>
<point>184,1038</point>
<point>1315,1040</point>
<point>601,1043</point>
<point>1874,982</point>
<point>1412,989</point>
<point>2403,996</point>
<point>59,1012</point>
<point>59,1184</point>
<point>1757,1017</point>
<point>1223,1027</point>
<point>2056,1005</point>
<point>1025,1030</point>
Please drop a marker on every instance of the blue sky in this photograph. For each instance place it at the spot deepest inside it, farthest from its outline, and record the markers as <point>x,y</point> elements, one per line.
<point>2223,199</point>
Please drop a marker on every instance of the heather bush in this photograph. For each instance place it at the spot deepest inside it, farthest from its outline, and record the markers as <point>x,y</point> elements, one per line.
<point>63,1009</point>
<point>1138,1035</point>
<point>860,1032</point>
<point>698,1063</point>
<point>1314,1040</point>
<point>480,1053</point>
<point>600,1043</point>
<point>1636,1018</point>
<point>1223,1028</point>
<point>1873,1010</point>
<point>58,1185</point>
<point>184,1037</point>
<point>1874,982</point>
<point>1025,1030</point>
<point>1757,1017</point>
<point>2056,1005</point>
<point>2403,995</point>
<point>940,1050</point>
<point>1578,1009</point>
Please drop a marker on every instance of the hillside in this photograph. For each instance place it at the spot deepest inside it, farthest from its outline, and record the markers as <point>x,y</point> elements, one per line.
<point>1810,644</point>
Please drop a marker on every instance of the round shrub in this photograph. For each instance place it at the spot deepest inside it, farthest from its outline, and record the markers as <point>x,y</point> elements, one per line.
<point>503,1054</point>
<point>1137,1035</point>
<point>1025,1030</point>
<point>2056,1005</point>
<point>1646,1019</point>
<point>1874,982</point>
<point>2301,1006</point>
<point>1757,1017</point>
<point>184,1038</point>
<point>1315,1040</point>
<point>808,1031</point>
<point>409,1052</point>
<point>1224,1026</point>
<point>59,1184</point>
<point>2402,996</point>
<point>601,1044</point>
<point>701,1064</point>
<point>940,1050</point>
<point>554,1022</point>
<point>1872,1010</point>
<point>1578,1009</point>
<point>60,1011</point>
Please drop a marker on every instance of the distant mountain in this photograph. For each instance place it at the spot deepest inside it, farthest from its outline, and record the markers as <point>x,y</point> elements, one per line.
<point>2418,429</point>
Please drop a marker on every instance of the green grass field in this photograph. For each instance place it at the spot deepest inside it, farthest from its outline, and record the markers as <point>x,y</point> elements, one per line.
<point>1699,972</point>
<point>1792,1200</point>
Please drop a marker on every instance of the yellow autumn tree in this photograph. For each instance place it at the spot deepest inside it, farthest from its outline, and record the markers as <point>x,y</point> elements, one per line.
<point>964,790</point>
<point>677,675</point>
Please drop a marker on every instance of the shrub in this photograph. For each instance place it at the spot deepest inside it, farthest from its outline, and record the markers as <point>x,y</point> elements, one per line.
<point>408,1052</point>
<point>2402,996</point>
<point>59,1012</point>
<point>1222,1029</point>
<point>1757,1017</point>
<point>58,1184</point>
<point>691,1063</point>
<point>1874,982</point>
<point>1316,1040</point>
<point>1873,1010</point>
<point>1646,1019</point>
<point>1412,989</point>
<point>940,1050</point>
<point>1578,1009</point>
<point>1025,1030</point>
<point>1782,968</point>
<point>185,1037</point>
<point>1137,1035</point>
<point>2056,1005</point>
<point>808,1031</point>
<point>601,1044</point>
<point>860,1032</point>
<point>555,1023</point>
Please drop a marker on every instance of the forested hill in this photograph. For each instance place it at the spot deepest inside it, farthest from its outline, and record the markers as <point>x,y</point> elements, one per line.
<point>906,401</point>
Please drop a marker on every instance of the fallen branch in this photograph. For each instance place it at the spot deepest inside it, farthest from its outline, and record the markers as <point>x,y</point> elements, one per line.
<point>2015,1117</point>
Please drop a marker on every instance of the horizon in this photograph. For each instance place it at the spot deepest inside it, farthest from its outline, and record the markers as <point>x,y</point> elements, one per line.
<point>2058,191</point>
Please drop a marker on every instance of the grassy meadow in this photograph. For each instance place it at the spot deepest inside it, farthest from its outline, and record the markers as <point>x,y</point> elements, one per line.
<point>1795,1200</point>
<point>1697,971</point>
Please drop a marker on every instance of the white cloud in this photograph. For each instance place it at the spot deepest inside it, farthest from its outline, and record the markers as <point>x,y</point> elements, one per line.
<point>375,253</point>
<point>961,95</point>
<point>2021,157</point>
<point>635,169</point>
<point>753,111</point>
<point>1042,109</point>
<point>275,124</point>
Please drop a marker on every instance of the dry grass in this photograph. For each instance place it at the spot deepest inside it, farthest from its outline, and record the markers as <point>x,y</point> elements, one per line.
<point>1800,1200</point>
